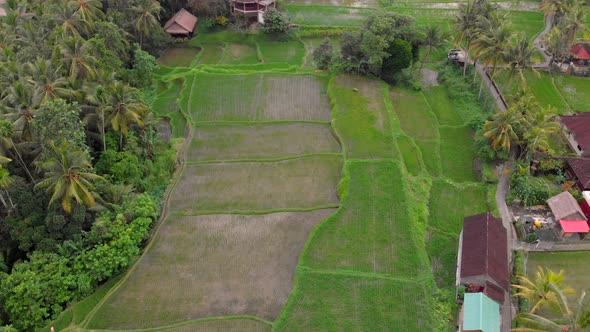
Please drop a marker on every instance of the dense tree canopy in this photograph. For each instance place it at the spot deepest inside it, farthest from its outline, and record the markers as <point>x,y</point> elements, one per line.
<point>70,96</point>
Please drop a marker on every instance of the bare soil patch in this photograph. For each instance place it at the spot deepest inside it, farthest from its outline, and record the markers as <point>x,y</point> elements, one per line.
<point>214,265</point>
<point>298,183</point>
<point>225,142</point>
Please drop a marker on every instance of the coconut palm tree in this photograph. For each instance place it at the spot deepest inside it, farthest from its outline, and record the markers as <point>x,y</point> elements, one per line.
<point>147,14</point>
<point>538,291</point>
<point>492,47</point>
<point>47,82</point>
<point>573,22</point>
<point>124,108</point>
<point>8,148</point>
<point>464,25</point>
<point>76,55</point>
<point>432,41</point>
<point>68,177</point>
<point>543,128</point>
<point>520,58</point>
<point>89,10</point>
<point>575,319</point>
<point>501,131</point>
<point>556,44</point>
<point>69,23</point>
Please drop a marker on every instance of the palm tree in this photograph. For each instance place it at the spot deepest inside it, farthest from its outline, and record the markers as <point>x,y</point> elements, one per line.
<point>556,44</point>
<point>432,41</point>
<point>7,147</point>
<point>573,21</point>
<point>147,14</point>
<point>70,24</point>
<point>570,320</point>
<point>124,108</point>
<point>538,291</point>
<point>89,10</point>
<point>76,55</point>
<point>20,108</point>
<point>464,25</point>
<point>520,58</point>
<point>542,129</point>
<point>492,47</point>
<point>501,130</point>
<point>47,82</point>
<point>68,177</point>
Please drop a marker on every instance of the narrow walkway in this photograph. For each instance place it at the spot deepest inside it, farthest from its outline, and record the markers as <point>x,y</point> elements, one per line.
<point>539,42</point>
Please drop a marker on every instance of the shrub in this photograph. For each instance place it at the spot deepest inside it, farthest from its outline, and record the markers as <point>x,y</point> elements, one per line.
<point>275,22</point>
<point>144,64</point>
<point>324,54</point>
<point>400,57</point>
<point>221,20</point>
<point>119,167</point>
<point>530,190</point>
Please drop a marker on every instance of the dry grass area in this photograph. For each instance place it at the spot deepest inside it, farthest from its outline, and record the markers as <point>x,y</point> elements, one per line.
<point>261,97</point>
<point>297,183</point>
<point>224,142</point>
<point>214,265</point>
<point>223,325</point>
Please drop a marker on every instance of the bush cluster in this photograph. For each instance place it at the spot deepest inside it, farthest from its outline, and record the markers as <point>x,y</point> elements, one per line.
<point>39,289</point>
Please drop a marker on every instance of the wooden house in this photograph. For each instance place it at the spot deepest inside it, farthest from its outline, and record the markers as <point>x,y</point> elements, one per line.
<point>578,170</point>
<point>252,8</point>
<point>580,54</point>
<point>182,24</point>
<point>575,129</point>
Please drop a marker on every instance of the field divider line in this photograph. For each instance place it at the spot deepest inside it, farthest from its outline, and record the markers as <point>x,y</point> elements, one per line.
<point>359,274</point>
<point>262,122</point>
<point>265,160</point>
<point>194,321</point>
<point>255,212</point>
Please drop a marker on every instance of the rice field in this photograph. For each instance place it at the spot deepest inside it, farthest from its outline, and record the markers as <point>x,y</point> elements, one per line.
<point>282,52</point>
<point>223,325</point>
<point>345,3</point>
<point>211,265</point>
<point>258,141</point>
<point>328,15</point>
<point>411,154</point>
<point>179,56</point>
<point>457,156</point>
<point>414,115</point>
<point>258,98</point>
<point>575,91</point>
<point>440,103</point>
<point>301,183</point>
<point>361,118</point>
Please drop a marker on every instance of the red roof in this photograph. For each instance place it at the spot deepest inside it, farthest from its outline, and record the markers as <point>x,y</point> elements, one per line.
<point>574,226</point>
<point>494,292</point>
<point>581,169</point>
<point>485,249</point>
<point>578,125</point>
<point>182,22</point>
<point>581,51</point>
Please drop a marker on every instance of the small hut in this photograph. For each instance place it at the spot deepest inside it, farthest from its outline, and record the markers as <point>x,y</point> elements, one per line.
<point>182,24</point>
<point>568,214</point>
<point>581,58</point>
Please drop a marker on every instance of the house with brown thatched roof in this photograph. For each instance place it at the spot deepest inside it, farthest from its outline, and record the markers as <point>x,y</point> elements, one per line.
<point>576,129</point>
<point>182,24</point>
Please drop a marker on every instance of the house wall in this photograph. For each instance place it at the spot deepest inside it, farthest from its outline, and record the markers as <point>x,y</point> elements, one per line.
<point>571,141</point>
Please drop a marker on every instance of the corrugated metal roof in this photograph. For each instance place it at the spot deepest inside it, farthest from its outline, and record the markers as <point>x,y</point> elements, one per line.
<point>574,226</point>
<point>480,313</point>
<point>485,249</point>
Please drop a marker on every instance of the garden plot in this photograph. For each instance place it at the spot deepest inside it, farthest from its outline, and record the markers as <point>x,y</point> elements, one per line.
<point>414,115</point>
<point>300,183</point>
<point>361,118</point>
<point>251,141</point>
<point>373,231</point>
<point>336,302</point>
<point>223,325</point>
<point>457,154</point>
<point>258,98</point>
<point>214,265</point>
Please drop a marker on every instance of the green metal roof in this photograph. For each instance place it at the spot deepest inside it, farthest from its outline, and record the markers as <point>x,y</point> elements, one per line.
<point>480,313</point>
